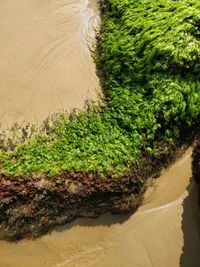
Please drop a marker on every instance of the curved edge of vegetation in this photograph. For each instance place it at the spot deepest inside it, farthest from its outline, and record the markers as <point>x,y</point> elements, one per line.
<point>149,52</point>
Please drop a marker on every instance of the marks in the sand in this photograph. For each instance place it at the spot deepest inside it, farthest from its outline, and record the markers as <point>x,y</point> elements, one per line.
<point>46,64</point>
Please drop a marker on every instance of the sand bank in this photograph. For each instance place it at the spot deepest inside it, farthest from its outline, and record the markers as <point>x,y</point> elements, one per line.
<point>46,64</point>
<point>163,232</point>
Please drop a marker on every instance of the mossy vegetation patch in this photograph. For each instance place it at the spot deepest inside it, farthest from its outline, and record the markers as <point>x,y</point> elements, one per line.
<point>149,53</point>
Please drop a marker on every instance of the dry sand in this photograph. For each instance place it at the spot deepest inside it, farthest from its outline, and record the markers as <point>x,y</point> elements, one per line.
<point>46,65</point>
<point>164,232</point>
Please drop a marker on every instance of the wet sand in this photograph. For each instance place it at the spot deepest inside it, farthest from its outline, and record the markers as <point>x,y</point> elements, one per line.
<point>46,65</point>
<point>163,232</point>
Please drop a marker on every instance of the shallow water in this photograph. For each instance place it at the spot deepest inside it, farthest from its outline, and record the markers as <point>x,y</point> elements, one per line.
<point>46,65</point>
<point>163,232</point>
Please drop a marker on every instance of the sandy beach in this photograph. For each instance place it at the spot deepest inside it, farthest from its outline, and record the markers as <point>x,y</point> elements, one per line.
<point>46,64</point>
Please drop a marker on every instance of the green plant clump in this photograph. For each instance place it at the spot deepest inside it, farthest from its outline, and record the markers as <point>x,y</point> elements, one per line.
<point>149,53</point>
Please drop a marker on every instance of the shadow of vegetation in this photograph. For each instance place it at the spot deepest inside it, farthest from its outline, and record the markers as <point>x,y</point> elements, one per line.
<point>106,220</point>
<point>191,226</point>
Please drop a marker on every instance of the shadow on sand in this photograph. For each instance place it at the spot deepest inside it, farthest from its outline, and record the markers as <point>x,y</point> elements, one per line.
<point>191,229</point>
<point>103,220</point>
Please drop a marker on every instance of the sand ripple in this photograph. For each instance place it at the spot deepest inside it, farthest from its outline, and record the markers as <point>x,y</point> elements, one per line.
<point>46,64</point>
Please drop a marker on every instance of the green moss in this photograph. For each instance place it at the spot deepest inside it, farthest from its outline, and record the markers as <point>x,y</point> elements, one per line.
<point>149,53</point>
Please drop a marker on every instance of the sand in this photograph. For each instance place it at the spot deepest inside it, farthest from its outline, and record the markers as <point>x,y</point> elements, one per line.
<point>164,232</point>
<point>46,64</point>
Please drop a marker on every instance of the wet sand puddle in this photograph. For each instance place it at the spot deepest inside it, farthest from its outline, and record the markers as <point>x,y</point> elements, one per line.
<point>46,64</point>
<point>163,232</point>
